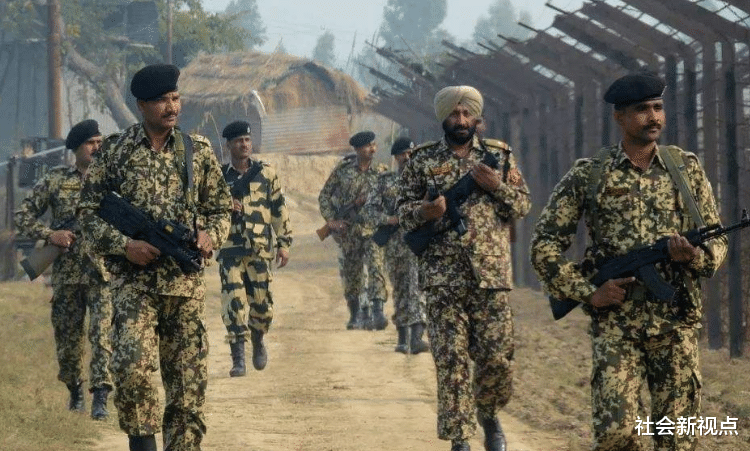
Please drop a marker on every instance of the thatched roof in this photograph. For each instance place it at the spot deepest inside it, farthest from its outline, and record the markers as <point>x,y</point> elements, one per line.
<point>281,81</point>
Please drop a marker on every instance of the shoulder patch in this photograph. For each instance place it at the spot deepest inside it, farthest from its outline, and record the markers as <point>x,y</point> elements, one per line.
<point>497,144</point>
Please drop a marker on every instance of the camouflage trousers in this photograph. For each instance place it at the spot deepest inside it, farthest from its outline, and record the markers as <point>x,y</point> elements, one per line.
<point>668,363</point>
<point>246,302</point>
<point>361,254</point>
<point>69,303</point>
<point>152,331</point>
<point>468,324</point>
<point>403,270</point>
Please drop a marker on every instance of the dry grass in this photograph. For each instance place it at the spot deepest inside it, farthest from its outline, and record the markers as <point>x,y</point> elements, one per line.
<point>32,401</point>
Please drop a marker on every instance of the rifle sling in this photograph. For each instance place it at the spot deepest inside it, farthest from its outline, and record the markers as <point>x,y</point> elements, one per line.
<point>246,177</point>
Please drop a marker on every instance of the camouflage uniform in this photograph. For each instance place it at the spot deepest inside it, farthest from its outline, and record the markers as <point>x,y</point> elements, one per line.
<point>245,260</point>
<point>401,263</point>
<point>78,280</point>
<point>158,310</point>
<point>645,339</point>
<point>345,184</point>
<point>466,280</point>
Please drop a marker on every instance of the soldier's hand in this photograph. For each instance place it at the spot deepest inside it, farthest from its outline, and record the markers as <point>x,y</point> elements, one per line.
<point>338,225</point>
<point>485,177</point>
<point>140,252</point>
<point>282,257</point>
<point>680,249</point>
<point>611,293</point>
<point>434,209</point>
<point>62,238</point>
<point>236,205</point>
<point>205,244</point>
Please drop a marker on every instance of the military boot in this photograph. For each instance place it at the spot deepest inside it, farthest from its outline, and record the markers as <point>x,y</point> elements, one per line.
<point>402,346</point>
<point>416,344</point>
<point>75,403</point>
<point>365,318</point>
<point>238,359</point>
<point>142,442</point>
<point>99,404</point>
<point>260,357</point>
<point>494,439</point>
<point>355,321</point>
<point>460,445</point>
<point>379,321</point>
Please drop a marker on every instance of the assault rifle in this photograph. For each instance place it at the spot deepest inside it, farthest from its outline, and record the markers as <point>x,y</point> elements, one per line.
<point>171,238</point>
<point>40,258</point>
<point>384,233</point>
<point>419,239</point>
<point>241,187</point>
<point>348,212</point>
<point>640,264</point>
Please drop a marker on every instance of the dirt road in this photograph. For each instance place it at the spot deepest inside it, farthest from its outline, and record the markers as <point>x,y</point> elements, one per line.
<point>325,388</point>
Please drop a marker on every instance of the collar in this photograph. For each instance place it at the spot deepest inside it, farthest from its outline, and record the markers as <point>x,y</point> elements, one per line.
<point>250,163</point>
<point>475,144</point>
<point>621,157</point>
<point>142,138</point>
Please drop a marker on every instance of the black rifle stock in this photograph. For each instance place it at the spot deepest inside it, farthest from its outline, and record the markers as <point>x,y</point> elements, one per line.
<point>40,258</point>
<point>419,239</point>
<point>640,264</point>
<point>384,233</point>
<point>171,238</point>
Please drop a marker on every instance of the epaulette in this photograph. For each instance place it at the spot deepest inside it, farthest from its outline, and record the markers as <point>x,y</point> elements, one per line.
<point>496,143</point>
<point>199,139</point>
<point>350,157</point>
<point>424,145</point>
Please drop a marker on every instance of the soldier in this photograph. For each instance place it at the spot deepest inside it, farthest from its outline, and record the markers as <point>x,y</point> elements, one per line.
<point>159,311</point>
<point>466,276</point>
<point>628,196</point>
<point>341,200</point>
<point>78,280</point>
<point>408,300</point>
<point>245,260</point>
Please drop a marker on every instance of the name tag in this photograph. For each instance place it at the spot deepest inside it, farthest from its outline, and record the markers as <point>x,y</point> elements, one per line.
<point>610,191</point>
<point>441,170</point>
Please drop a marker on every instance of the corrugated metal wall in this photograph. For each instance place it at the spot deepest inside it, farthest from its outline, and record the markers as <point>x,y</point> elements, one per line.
<point>306,130</point>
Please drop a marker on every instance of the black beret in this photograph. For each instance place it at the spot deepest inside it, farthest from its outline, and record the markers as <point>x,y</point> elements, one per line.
<point>154,80</point>
<point>400,145</point>
<point>81,132</point>
<point>362,139</point>
<point>235,129</point>
<point>634,88</point>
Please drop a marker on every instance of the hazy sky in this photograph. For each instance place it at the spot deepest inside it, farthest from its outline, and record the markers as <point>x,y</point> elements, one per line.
<point>299,23</point>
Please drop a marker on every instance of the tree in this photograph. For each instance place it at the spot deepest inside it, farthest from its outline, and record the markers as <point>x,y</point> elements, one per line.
<point>413,23</point>
<point>501,18</point>
<point>244,13</point>
<point>324,51</point>
<point>104,56</point>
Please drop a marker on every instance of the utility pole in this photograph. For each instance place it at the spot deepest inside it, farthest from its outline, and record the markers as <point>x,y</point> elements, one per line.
<point>168,56</point>
<point>54,63</point>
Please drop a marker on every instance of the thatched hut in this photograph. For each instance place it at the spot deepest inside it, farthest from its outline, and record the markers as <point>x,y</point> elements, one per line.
<point>295,105</point>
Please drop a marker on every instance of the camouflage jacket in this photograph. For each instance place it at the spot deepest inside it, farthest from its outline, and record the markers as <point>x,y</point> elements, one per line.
<point>381,201</point>
<point>59,191</point>
<point>155,183</point>
<point>264,210</point>
<point>345,184</point>
<point>482,255</point>
<point>636,208</point>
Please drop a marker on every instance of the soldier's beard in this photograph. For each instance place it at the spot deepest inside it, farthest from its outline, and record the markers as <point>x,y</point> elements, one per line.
<point>451,133</point>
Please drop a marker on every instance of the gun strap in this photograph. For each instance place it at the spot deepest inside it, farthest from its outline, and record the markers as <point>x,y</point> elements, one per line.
<point>595,181</point>
<point>184,143</point>
<point>678,171</point>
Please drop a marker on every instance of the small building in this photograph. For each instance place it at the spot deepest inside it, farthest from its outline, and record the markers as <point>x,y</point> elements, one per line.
<point>293,104</point>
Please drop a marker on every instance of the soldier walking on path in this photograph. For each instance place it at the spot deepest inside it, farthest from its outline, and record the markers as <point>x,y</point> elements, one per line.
<point>466,269</point>
<point>341,201</point>
<point>401,263</point>
<point>79,280</point>
<point>159,305</point>
<point>259,213</point>
<point>632,194</point>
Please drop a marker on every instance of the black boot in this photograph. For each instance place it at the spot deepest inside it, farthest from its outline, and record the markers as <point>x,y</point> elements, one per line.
<point>75,403</point>
<point>365,318</point>
<point>99,404</point>
<point>260,357</point>
<point>494,439</point>
<point>460,445</point>
<point>142,442</point>
<point>238,359</point>
<point>355,322</point>
<point>402,346</point>
<point>379,321</point>
<point>416,344</point>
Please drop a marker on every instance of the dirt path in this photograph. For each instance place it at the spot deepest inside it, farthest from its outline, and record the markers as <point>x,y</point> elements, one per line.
<point>325,388</point>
